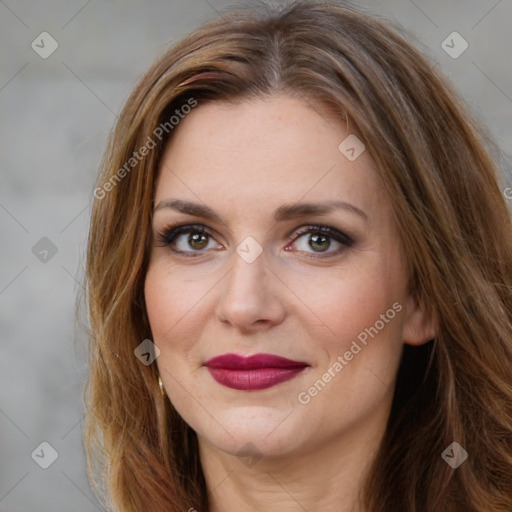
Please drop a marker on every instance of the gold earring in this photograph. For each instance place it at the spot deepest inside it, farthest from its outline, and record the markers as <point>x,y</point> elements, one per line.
<point>161,386</point>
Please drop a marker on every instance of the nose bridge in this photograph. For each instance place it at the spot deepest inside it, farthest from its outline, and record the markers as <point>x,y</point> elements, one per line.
<point>248,273</point>
<point>247,296</point>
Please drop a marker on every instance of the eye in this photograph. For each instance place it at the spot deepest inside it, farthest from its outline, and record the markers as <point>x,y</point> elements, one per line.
<point>320,241</point>
<point>199,238</point>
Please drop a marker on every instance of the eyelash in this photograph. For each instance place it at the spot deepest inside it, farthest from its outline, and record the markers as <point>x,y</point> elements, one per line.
<point>171,232</point>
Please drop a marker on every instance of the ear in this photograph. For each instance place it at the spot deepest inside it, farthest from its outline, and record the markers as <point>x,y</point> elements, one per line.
<point>420,325</point>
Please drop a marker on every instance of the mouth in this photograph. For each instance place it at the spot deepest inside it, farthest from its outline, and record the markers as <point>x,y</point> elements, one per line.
<point>259,371</point>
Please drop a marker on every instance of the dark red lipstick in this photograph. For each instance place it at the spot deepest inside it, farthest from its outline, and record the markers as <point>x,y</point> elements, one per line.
<point>255,372</point>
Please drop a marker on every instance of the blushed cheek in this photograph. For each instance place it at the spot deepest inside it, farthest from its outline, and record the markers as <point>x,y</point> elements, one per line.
<point>352,307</point>
<point>173,311</point>
<point>162,305</point>
<point>364,357</point>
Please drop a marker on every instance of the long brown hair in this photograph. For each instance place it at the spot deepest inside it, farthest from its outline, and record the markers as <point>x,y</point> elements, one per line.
<point>454,224</point>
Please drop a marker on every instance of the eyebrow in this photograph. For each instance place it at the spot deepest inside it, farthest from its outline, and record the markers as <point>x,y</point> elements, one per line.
<point>283,213</point>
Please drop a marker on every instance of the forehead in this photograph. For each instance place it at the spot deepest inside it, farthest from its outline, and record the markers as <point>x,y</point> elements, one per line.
<point>266,151</point>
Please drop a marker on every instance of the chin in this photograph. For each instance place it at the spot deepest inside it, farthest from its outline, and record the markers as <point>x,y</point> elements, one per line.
<point>261,431</point>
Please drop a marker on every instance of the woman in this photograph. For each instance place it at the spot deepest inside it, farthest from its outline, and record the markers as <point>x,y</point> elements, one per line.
<point>299,280</point>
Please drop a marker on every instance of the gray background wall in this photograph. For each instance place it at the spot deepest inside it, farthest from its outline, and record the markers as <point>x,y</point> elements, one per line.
<point>55,115</point>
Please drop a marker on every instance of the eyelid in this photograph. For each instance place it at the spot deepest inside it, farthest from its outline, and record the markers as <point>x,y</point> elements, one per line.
<point>332,232</point>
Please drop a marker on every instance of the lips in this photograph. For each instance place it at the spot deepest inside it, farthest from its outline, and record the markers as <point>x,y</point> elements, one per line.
<point>259,371</point>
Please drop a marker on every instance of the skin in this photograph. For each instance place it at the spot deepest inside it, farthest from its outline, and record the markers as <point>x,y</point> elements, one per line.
<point>244,161</point>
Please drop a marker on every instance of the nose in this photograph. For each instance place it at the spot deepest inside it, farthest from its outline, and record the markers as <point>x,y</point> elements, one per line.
<point>251,298</point>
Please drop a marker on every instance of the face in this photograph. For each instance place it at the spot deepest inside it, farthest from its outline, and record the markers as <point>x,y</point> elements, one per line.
<point>251,271</point>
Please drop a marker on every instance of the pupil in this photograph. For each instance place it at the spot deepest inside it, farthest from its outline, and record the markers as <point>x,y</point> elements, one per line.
<point>315,240</point>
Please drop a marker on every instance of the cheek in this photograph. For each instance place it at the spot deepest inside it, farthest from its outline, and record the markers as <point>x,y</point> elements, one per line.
<point>169,295</point>
<point>159,293</point>
<point>354,380</point>
<point>360,342</point>
<point>176,311</point>
<point>346,301</point>
<point>361,352</point>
